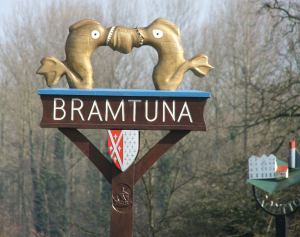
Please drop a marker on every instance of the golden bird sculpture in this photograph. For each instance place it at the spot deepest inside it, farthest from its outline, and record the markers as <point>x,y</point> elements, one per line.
<point>86,35</point>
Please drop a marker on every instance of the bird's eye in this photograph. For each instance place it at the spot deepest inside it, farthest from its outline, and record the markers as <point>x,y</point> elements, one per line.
<point>157,33</point>
<point>95,34</point>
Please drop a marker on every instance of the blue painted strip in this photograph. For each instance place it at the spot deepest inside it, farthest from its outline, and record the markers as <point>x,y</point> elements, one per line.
<point>124,92</point>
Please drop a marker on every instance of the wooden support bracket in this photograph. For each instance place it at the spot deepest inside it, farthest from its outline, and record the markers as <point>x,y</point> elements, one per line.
<point>122,182</point>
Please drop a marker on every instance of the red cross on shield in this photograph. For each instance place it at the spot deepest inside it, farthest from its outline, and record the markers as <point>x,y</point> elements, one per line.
<point>123,147</point>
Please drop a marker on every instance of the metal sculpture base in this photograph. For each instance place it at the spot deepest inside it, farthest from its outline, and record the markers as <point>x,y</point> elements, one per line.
<point>122,182</point>
<point>281,226</point>
<point>281,220</point>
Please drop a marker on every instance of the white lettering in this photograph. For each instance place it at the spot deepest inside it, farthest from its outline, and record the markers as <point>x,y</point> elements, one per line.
<point>115,111</point>
<point>166,107</point>
<point>183,113</point>
<point>147,113</point>
<point>78,109</point>
<point>55,108</point>
<point>95,111</point>
<point>108,107</point>
<point>134,108</point>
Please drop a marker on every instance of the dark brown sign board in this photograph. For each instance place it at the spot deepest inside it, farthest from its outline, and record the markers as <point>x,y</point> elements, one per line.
<point>123,109</point>
<point>70,109</point>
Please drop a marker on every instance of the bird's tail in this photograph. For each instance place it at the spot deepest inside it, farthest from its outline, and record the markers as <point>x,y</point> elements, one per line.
<point>199,65</point>
<point>52,69</point>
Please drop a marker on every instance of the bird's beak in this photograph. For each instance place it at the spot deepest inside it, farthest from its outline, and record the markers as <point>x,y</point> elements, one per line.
<point>123,39</point>
<point>140,36</point>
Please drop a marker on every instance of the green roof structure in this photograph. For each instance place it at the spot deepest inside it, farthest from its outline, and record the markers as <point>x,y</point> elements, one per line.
<point>276,185</point>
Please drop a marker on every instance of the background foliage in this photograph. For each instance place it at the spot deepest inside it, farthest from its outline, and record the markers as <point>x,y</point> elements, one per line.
<point>47,187</point>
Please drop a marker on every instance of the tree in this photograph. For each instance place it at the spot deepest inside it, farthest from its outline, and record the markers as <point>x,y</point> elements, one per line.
<point>47,188</point>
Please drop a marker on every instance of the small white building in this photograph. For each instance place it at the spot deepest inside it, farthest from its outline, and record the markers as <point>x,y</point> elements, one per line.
<point>265,167</point>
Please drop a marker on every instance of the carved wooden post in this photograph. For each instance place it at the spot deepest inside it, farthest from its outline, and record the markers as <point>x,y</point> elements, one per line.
<point>69,109</point>
<point>122,202</point>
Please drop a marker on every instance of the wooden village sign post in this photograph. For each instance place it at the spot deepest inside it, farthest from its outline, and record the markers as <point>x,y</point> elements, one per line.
<point>82,107</point>
<point>61,110</point>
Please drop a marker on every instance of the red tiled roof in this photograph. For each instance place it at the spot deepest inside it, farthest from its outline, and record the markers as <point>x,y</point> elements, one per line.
<point>282,168</point>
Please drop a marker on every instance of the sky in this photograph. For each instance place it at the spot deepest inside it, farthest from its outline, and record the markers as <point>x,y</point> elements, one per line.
<point>6,7</point>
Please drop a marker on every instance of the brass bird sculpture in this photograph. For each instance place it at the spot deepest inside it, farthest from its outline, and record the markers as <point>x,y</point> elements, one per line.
<point>161,34</point>
<point>84,37</point>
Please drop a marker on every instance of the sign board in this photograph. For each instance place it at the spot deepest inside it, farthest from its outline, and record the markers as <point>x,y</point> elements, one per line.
<point>123,109</point>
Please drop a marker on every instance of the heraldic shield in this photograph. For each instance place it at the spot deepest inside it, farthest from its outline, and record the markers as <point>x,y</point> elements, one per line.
<point>123,147</point>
